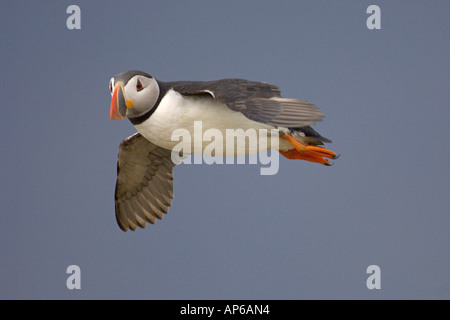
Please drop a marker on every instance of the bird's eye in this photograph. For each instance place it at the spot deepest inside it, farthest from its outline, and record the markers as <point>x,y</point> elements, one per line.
<point>139,86</point>
<point>110,86</point>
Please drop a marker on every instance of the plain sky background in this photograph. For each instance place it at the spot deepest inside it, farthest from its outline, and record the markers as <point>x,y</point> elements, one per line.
<point>308,232</point>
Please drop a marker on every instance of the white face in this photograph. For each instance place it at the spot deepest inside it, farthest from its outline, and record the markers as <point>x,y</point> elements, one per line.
<point>142,91</point>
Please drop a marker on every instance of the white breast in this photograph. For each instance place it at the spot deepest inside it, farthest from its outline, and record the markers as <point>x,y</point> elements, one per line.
<point>180,112</point>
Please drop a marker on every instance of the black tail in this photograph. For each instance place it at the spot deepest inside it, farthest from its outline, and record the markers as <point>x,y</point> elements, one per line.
<point>311,133</point>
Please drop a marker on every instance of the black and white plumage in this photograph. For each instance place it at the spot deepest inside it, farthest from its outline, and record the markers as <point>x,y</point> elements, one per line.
<point>144,188</point>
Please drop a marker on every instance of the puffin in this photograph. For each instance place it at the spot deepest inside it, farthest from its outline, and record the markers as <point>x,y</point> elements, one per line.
<point>144,185</point>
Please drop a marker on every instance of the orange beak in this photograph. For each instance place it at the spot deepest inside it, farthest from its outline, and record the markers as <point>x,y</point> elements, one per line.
<point>118,105</point>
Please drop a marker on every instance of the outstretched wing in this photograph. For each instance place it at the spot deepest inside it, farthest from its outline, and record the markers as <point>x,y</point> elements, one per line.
<point>144,187</point>
<point>258,101</point>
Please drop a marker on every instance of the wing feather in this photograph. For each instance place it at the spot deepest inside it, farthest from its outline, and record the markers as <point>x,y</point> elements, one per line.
<point>144,187</point>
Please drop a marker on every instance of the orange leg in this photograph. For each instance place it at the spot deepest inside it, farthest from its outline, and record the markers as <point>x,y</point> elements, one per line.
<point>307,152</point>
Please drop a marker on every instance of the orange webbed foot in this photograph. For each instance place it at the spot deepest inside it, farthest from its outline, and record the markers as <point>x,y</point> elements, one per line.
<point>306,152</point>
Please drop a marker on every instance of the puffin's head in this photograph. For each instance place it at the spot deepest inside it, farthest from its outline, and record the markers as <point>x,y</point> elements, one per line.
<point>134,93</point>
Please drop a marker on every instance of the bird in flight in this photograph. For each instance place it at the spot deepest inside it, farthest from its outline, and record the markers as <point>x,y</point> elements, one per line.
<point>144,187</point>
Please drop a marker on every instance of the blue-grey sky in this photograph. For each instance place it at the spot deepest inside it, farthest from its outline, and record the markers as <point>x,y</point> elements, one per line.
<point>308,232</point>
